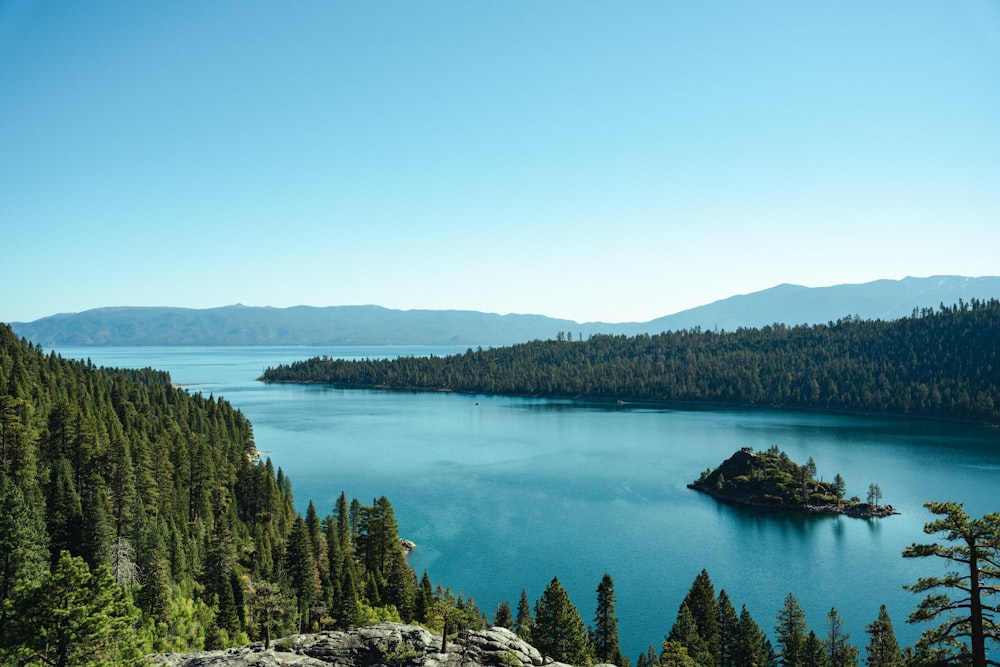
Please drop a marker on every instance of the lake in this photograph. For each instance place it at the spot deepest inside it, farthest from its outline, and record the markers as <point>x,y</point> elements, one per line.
<point>501,494</point>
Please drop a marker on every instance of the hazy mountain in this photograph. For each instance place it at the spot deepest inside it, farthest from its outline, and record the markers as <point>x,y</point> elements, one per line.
<point>795,304</point>
<point>374,325</point>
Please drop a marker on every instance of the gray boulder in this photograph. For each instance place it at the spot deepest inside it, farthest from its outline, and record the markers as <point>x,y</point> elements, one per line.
<point>390,644</point>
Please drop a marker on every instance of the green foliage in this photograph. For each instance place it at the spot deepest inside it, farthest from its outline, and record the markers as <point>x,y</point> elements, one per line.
<point>559,631</point>
<point>839,653</point>
<point>72,617</point>
<point>771,478</point>
<point>675,654</point>
<point>883,648</point>
<point>971,618</point>
<point>398,654</point>
<point>268,605</point>
<point>790,633</point>
<point>165,489</point>
<point>752,646</point>
<point>701,601</point>
<point>524,620</point>
<point>729,631</point>
<point>503,617</point>
<point>929,364</point>
<point>604,635</point>
<point>450,615</point>
<point>684,634</point>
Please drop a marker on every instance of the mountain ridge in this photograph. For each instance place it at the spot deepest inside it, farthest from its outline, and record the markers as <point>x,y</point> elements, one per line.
<point>239,324</point>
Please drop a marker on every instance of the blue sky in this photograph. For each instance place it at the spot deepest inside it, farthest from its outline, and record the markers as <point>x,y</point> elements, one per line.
<point>588,160</point>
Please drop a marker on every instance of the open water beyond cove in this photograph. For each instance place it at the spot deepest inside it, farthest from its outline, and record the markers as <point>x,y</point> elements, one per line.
<point>504,493</point>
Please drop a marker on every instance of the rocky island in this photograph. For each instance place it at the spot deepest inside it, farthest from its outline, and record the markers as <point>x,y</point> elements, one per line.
<point>771,480</point>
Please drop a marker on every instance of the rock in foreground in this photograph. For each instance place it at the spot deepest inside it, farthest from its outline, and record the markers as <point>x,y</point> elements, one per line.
<point>391,644</point>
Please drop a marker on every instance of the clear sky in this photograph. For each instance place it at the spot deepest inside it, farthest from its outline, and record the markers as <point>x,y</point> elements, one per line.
<point>612,161</point>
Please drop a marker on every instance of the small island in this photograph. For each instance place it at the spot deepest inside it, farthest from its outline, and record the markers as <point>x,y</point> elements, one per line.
<point>771,480</point>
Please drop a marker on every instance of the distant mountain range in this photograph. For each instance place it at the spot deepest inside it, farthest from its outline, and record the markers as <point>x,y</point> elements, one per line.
<point>374,325</point>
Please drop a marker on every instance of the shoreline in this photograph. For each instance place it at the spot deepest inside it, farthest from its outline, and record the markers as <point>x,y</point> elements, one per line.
<point>855,510</point>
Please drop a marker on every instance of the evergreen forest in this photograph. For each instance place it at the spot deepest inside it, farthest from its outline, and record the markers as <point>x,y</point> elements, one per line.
<point>936,363</point>
<point>136,517</point>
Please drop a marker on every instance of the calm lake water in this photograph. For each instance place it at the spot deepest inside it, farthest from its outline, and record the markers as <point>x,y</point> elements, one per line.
<point>503,493</point>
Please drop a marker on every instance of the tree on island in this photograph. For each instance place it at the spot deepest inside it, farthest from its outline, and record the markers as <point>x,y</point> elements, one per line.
<point>969,618</point>
<point>874,495</point>
<point>839,487</point>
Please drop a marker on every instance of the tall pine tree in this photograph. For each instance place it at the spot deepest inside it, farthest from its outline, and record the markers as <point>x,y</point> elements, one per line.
<point>883,648</point>
<point>604,635</point>
<point>790,632</point>
<point>559,632</point>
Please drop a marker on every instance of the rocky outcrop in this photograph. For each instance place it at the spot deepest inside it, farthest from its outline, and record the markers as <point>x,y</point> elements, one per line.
<point>771,481</point>
<point>390,644</point>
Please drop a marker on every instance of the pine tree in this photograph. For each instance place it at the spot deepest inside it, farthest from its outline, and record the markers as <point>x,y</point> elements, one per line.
<point>559,632</point>
<point>839,652</point>
<point>752,646</point>
<point>839,487</point>
<point>790,632</point>
<point>523,622</point>
<point>154,595</point>
<point>813,652</point>
<point>301,569</point>
<point>967,618</point>
<point>652,657</point>
<point>675,654</point>
<point>268,604</point>
<point>343,515</point>
<point>697,624</point>
<point>217,578</point>
<point>24,552</point>
<point>320,550</point>
<point>97,528</point>
<point>503,617</point>
<point>347,613</point>
<point>883,648</point>
<point>72,617</point>
<point>400,589</point>
<point>729,627</point>
<point>685,633</point>
<point>605,632</point>
<point>64,511</point>
<point>424,599</point>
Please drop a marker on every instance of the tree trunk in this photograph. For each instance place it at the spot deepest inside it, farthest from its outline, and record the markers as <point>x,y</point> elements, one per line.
<point>977,639</point>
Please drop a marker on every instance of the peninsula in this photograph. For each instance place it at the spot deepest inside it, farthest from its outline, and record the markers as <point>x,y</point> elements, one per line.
<point>771,480</point>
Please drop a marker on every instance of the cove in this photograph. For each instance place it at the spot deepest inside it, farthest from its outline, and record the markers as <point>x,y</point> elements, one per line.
<point>504,493</point>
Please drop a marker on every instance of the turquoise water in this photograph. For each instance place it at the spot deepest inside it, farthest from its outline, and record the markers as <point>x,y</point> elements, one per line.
<point>502,493</point>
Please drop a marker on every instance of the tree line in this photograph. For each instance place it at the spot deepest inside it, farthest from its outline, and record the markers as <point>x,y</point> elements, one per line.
<point>708,632</point>
<point>136,518</point>
<point>937,363</point>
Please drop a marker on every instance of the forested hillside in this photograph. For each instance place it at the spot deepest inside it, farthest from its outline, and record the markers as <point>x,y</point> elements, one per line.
<point>135,516</point>
<point>938,363</point>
